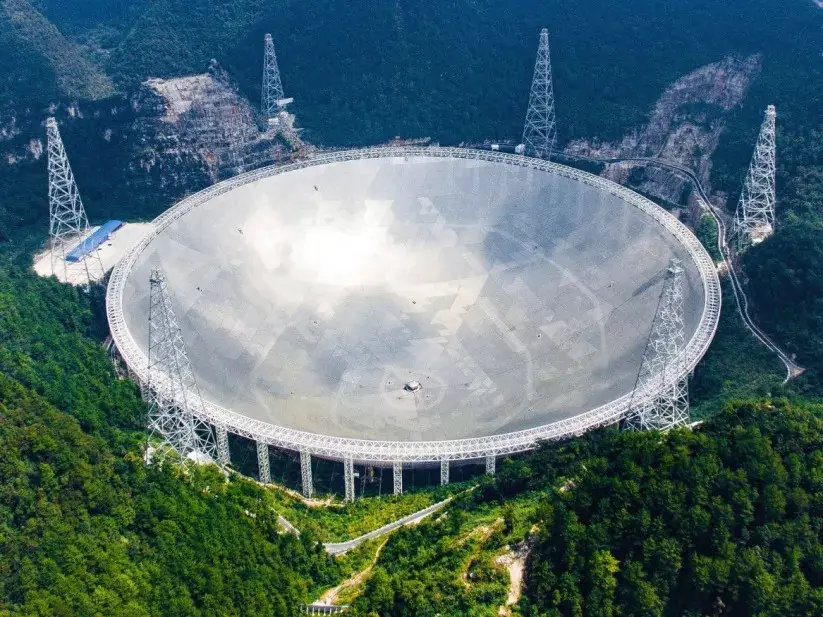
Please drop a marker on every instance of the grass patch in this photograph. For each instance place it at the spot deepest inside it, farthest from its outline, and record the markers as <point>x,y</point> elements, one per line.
<point>706,232</point>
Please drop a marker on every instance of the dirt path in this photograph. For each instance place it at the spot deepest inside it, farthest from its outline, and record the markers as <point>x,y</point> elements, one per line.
<point>515,562</point>
<point>309,502</point>
<point>483,532</point>
<point>330,597</point>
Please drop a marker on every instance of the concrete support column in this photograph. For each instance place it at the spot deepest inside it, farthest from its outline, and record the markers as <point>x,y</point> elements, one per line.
<point>398,477</point>
<point>263,462</point>
<point>223,457</point>
<point>305,473</point>
<point>348,477</point>
<point>490,462</point>
<point>444,471</point>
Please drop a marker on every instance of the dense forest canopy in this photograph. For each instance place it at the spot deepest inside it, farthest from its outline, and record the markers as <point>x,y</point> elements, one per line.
<point>727,521</point>
<point>365,71</point>
<point>85,527</point>
<point>786,280</point>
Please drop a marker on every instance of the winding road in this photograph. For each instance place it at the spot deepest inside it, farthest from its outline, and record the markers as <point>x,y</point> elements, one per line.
<point>792,368</point>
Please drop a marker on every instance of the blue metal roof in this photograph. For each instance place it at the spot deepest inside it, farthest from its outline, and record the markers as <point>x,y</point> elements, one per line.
<point>95,239</point>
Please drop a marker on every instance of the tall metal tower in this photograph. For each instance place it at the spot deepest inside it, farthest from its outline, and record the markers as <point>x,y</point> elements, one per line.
<point>663,368</point>
<point>540,130</point>
<point>174,396</point>
<point>754,218</point>
<point>272,86</point>
<point>68,224</point>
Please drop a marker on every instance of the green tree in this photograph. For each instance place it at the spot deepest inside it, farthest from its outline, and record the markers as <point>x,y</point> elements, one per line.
<point>600,601</point>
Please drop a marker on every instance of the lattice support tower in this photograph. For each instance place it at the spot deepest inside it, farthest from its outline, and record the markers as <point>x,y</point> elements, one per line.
<point>663,368</point>
<point>223,455</point>
<point>444,471</point>
<point>397,477</point>
<point>272,86</point>
<point>754,218</point>
<point>540,130</point>
<point>491,461</point>
<point>348,478</point>
<point>263,462</point>
<point>305,473</point>
<point>68,224</point>
<point>175,402</point>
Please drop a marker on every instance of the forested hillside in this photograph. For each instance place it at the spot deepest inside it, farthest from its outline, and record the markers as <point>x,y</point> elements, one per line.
<point>85,527</point>
<point>365,71</point>
<point>724,521</point>
<point>786,280</point>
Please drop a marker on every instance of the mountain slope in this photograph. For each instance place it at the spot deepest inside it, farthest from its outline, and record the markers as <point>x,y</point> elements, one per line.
<point>64,67</point>
<point>86,528</point>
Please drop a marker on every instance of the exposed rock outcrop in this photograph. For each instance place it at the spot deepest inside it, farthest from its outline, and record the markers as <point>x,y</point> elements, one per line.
<point>135,156</point>
<point>171,137</point>
<point>203,119</point>
<point>684,127</point>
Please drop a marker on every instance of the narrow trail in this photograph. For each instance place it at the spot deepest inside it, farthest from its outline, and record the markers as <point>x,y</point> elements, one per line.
<point>330,596</point>
<point>515,563</point>
<point>742,302</point>
<point>311,502</point>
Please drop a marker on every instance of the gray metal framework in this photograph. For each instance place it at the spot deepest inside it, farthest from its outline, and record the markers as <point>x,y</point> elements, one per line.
<point>397,477</point>
<point>491,461</point>
<point>223,455</point>
<point>272,86</point>
<point>348,478</point>
<point>384,453</point>
<point>444,471</point>
<point>68,224</point>
<point>305,473</point>
<point>176,408</point>
<point>754,218</point>
<point>263,462</point>
<point>663,363</point>
<point>540,130</point>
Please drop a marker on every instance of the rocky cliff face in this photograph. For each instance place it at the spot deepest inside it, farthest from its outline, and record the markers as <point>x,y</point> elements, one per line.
<point>134,156</point>
<point>203,120</point>
<point>197,121</point>
<point>684,126</point>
